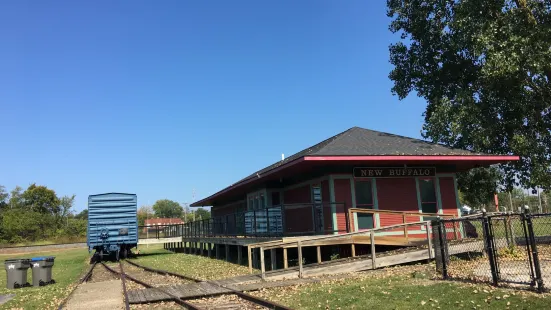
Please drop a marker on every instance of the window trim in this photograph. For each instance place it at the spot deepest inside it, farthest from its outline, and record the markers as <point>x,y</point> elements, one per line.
<point>374,202</point>
<point>436,182</point>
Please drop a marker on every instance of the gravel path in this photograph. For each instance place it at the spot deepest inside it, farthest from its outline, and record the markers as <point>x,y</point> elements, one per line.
<point>101,274</point>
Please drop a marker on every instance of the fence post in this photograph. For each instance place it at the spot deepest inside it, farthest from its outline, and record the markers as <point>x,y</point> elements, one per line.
<point>429,239</point>
<point>299,249</point>
<point>254,222</point>
<point>535,256</point>
<point>443,244</point>
<point>488,240</point>
<point>267,222</point>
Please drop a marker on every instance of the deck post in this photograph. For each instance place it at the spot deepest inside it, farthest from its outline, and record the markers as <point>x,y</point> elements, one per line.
<point>202,247</point>
<point>299,249</point>
<point>353,248</point>
<point>217,250</point>
<point>227,248</point>
<point>249,257</point>
<point>239,255</point>
<point>373,259</point>
<point>209,250</point>
<point>405,228</point>
<point>273,259</point>
<point>429,241</point>
<point>262,267</point>
<point>285,262</point>
<point>319,254</point>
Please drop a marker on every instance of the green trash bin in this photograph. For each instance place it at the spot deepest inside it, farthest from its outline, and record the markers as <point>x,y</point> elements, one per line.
<point>42,270</point>
<point>16,271</point>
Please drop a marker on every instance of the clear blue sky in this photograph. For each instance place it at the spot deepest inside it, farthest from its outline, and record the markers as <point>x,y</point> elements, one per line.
<point>160,97</point>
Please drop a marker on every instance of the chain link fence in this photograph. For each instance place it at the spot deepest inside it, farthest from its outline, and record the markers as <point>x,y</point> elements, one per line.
<point>512,249</point>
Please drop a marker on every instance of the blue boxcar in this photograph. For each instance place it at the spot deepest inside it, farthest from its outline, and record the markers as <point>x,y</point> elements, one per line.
<point>112,224</point>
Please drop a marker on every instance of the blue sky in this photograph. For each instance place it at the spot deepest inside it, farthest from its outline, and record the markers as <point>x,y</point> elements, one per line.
<point>159,98</point>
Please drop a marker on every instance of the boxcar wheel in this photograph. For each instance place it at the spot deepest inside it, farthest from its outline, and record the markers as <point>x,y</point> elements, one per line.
<point>117,255</point>
<point>124,253</point>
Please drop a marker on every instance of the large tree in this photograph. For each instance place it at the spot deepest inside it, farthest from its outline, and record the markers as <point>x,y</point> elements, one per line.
<point>478,186</point>
<point>41,199</point>
<point>484,67</point>
<point>167,208</point>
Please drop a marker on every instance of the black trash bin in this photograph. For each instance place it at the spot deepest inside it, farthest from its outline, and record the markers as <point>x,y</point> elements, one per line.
<point>42,270</point>
<point>16,271</point>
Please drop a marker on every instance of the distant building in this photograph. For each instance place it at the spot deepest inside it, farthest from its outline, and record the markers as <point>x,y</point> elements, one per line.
<point>162,221</point>
<point>159,224</point>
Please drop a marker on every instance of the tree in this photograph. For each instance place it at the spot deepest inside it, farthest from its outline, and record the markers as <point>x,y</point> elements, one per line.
<point>484,68</point>
<point>202,214</point>
<point>16,198</point>
<point>4,197</point>
<point>478,185</point>
<point>41,199</point>
<point>167,208</point>
<point>66,204</point>
<point>144,212</point>
<point>83,215</point>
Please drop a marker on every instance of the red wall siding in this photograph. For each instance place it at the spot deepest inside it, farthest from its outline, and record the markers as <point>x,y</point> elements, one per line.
<point>224,210</point>
<point>398,195</point>
<point>298,218</point>
<point>447,193</point>
<point>343,193</point>
<point>298,195</point>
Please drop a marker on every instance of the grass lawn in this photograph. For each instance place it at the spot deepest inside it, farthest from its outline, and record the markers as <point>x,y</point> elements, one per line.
<point>68,267</point>
<point>188,264</point>
<point>405,287</point>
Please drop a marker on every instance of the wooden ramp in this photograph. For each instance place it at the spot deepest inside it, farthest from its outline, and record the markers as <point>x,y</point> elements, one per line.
<point>276,278</point>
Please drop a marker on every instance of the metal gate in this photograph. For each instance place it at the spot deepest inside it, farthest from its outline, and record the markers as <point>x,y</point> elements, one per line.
<point>496,248</point>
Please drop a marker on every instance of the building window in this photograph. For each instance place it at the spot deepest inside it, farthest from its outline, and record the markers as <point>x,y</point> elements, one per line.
<point>427,191</point>
<point>364,194</point>
<point>364,200</point>
<point>257,201</point>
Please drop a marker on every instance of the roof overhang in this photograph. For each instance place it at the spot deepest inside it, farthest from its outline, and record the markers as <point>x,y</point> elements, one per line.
<point>463,163</point>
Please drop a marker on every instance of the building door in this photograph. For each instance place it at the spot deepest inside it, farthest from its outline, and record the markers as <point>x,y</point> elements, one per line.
<point>317,209</point>
<point>427,193</point>
<point>364,200</point>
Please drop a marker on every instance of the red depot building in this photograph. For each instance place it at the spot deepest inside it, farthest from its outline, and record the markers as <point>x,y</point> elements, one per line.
<point>316,189</point>
<point>358,179</point>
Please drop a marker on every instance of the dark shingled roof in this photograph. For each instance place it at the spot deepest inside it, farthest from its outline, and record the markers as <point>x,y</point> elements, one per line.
<point>358,141</point>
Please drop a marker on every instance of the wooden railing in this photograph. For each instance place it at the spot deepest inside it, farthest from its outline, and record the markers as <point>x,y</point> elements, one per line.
<point>401,214</point>
<point>312,241</point>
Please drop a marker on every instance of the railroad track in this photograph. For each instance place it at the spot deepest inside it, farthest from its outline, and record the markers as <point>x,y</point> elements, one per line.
<point>207,300</point>
<point>224,300</point>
